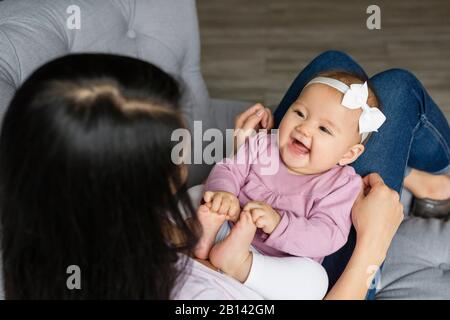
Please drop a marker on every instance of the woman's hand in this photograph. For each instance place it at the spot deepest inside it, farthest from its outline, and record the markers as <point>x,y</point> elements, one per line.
<point>250,121</point>
<point>376,215</point>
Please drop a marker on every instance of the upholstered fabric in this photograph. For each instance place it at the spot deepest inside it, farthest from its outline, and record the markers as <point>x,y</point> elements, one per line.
<point>164,32</point>
<point>418,263</point>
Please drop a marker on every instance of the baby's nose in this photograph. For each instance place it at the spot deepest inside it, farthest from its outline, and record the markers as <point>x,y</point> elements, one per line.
<point>304,130</point>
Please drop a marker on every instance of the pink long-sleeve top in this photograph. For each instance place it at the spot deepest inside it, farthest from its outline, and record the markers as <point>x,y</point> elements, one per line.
<point>315,209</point>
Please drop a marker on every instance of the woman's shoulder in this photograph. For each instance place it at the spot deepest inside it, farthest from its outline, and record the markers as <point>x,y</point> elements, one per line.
<point>198,282</point>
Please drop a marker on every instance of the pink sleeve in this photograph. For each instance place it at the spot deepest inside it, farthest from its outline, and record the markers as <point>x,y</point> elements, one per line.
<point>229,175</point>
<point>324,231</point>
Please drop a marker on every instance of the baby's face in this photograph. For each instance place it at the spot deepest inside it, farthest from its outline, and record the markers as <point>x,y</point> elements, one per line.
<point>317,132</point>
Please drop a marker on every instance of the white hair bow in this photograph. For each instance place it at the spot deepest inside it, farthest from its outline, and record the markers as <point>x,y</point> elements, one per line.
<point>355,97</point>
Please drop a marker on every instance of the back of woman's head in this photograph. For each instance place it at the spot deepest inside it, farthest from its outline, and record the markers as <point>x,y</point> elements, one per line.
<point>86,179</point>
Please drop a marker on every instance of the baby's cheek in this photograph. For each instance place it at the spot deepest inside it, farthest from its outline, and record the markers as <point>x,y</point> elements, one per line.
<point>325,152</point>
<point>282,136</point>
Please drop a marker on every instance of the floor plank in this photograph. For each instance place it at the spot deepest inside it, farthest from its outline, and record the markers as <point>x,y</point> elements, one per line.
<point>252,49</point>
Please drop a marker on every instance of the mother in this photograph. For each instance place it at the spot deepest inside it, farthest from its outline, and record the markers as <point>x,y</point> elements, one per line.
<point>87,179</point>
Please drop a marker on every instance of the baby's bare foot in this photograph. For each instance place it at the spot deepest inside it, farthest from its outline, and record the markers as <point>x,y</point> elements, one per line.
<point>232,254</point>
<point>211,223</point>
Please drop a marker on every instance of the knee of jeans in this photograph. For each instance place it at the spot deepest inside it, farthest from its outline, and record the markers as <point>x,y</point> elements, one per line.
<point>333,54</point>
<point>397,84</point>
<point>400,76</point>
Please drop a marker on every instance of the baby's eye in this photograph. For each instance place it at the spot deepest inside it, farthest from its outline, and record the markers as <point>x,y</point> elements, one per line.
<point>324,129</point>
<point>300,114</point>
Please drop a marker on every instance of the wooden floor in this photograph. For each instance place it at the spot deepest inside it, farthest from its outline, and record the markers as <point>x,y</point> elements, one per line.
<point>252,49</point>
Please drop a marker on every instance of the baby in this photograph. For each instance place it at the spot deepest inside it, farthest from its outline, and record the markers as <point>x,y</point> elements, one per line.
<point>303,208</point>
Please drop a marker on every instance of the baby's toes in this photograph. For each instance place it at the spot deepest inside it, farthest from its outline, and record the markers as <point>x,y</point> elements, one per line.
<point>203,209</point>
<point>246,218</point>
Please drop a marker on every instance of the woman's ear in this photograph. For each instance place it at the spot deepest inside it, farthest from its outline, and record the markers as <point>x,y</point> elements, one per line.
<point>352,154</point>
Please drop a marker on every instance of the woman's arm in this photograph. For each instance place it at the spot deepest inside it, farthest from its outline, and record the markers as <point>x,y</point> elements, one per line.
<point>376,215</point>
<point>357,276</point>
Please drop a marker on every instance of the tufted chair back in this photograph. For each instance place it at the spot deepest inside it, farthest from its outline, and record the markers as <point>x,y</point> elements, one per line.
<point>164,32</point>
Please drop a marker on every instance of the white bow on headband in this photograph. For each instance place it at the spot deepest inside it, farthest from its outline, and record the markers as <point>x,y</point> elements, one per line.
<point>355,97</point>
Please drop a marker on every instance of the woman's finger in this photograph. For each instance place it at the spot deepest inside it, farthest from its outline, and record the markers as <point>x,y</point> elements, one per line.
<point>253,121</point>
<point>375,179</point>
<point>240,119</point>
<point>270,120</point>
<point>265,117</point>
<point>372,180</point>
<point>395,195</point>
<point>401,214</point>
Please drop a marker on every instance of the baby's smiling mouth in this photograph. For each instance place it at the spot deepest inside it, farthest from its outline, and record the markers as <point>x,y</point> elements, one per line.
<point>298,147</point>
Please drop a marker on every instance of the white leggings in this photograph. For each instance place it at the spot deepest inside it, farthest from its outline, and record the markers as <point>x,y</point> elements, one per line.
<point>280,278</point>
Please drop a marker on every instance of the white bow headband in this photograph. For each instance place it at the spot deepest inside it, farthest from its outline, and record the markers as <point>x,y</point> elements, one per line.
<point>355,97</point>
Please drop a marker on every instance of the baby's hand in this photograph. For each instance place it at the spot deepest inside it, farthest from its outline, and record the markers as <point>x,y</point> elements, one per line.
<point>263,215</point>
<point>223,202</point>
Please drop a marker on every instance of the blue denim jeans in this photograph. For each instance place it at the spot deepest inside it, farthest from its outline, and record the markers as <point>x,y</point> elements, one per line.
<point>416,133</point>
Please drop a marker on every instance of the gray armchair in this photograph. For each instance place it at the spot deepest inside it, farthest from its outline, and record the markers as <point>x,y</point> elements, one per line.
<point>165,32</point>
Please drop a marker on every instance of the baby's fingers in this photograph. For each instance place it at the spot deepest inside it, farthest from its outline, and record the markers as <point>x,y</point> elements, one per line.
<point>234,209</point>
<point>257,214</point>
<point>216,202</point>
<point>252,205</point>
<point>224,207</point>
<point>208,196</point>
<point>260,222</point>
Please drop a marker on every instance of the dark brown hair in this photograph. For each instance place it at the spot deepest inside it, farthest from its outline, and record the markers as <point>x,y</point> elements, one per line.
<point>86,179</point>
